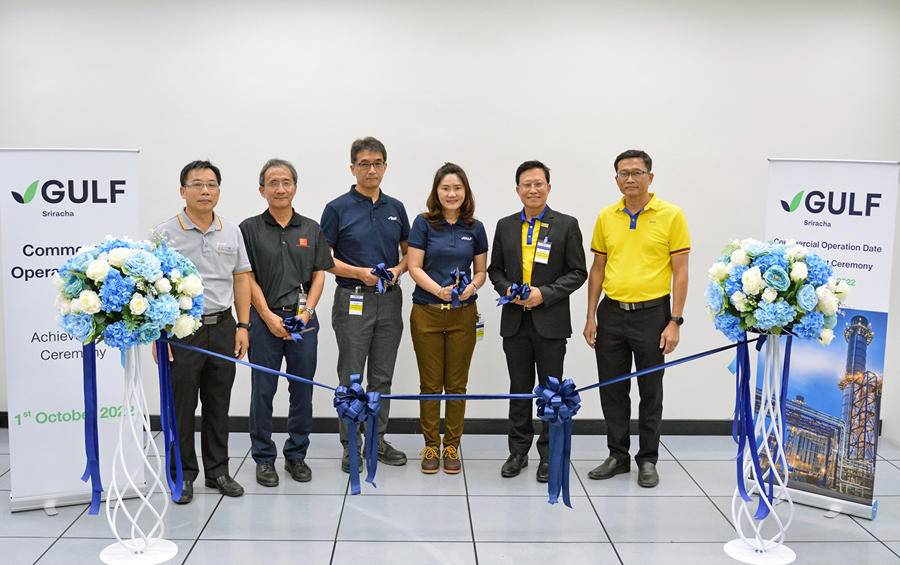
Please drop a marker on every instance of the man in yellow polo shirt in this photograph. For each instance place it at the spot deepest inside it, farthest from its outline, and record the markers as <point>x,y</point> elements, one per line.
<point>640,246</point>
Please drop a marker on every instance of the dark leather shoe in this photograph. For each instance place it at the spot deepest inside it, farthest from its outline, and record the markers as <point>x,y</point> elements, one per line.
<point>226,485</point>
<point>609,468</point>
<point>543,472</point>
<point>298,469</point>
<point>389,455</point>
<point>647,475</point>
<point>266,475</point>
<point>187,492</point>
<point>345,461</point>
<point>513,465</point>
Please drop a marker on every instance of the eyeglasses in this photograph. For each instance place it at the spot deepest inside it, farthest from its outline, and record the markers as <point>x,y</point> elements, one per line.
<point>636,175</point>
<point>212,185</point>
<point>274,184</point>
<point>537,185</point>
<point>366,165</point>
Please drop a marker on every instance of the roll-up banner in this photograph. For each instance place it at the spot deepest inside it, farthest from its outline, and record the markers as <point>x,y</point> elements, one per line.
<point>53,202</point>
<point>844,211</point>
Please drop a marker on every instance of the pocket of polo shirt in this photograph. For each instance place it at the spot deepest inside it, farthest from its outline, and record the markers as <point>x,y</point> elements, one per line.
<point>226,249</point>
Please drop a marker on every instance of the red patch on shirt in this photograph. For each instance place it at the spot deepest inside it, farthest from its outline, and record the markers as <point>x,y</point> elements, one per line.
<point>303,242</point>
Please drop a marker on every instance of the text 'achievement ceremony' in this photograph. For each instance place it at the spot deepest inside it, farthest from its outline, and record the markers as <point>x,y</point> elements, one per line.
<point>456,283</point>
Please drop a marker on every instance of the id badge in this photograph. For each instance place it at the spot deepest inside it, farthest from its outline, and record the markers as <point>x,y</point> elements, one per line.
<point>542,252</point>
<point>479,328</point>
<point>356,305</point>
<point>301,301</point>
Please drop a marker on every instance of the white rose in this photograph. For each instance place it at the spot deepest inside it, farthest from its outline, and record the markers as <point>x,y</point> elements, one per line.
<point>828,302</point>
<point>752,281</point>
<point>88,301</point>
<point>718,271</point>
<point>118,256</point>
<point>163,286</point>
<point>831,284</point>
<point>739,257</point>
<point>825,336</point>
<point>184,326</point>
<point>185,302</point>
<point>745,243</point>
<point>795,252</point>
<point>175,275</point>
<point>190,285</point>
<point>769,295</point>
<point>96,270</point>
<point>799,271</point>
<point>138,304</point>
<point>739,299</point>
<point>791,242</point>
<point>63,305</point>
<point>842,290</point>
<point>58,282</point>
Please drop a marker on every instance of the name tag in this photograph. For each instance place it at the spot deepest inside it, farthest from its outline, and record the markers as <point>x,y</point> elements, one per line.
<point>479,329</point>
<point>356,305</point>
<point>542,252</point>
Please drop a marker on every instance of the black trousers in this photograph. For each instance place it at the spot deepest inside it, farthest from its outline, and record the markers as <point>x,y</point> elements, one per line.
<point>525,351</point>
<point>621,336</point>
<point>196,374</point>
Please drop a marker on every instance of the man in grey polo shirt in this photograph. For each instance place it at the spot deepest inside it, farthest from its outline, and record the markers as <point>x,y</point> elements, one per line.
<point>289,257</point>
<point>217,250</point>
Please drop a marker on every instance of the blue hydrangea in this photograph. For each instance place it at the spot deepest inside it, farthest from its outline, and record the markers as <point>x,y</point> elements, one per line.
<point>143,264</point>
<point>830,322</point>
<point>148,332</point>
<point>73,286</point>
<point>715,299</point>
<point>118,335</point>
<point>163,310</point>
<point>733,283</point>
<point>818,270</point>
<point>806,298</point>
<point>197,308</point>
<point>109,244</point>
<point>168,259</point>
<point>730,326</point>
<point>79,325</point>
<point>77,264</point>
<point>776,277</point>
<point>186,267</point>
<point>758,248</point>
<point>116,291</point>
<point>809,325</point>
<point>775,314</point>
<point>769,260</point>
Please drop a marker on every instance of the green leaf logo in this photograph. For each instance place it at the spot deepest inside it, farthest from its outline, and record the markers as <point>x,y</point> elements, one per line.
<point>794,203</point>
<point>29,194</point>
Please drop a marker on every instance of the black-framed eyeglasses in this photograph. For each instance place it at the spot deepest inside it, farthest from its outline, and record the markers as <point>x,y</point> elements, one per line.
<point>366,165</point>
<point>636,175</point>
<point>212,185</point>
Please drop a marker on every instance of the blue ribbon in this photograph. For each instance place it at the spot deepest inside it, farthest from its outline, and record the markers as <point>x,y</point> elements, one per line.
<point>167,416</point>
<point>385,277</point>
<point>91,436</point>
<point>517,290</point>
<point>459,280</point>
<point>295,326</point>
<point>556,404</point>
<point>355,406</point>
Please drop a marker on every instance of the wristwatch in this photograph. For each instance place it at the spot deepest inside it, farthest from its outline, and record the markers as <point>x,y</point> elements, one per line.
<point>243,325</point>
<point>678,319</point>
<point>312,311</point>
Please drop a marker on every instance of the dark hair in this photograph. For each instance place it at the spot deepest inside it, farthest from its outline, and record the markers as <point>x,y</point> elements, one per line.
<point>367,144</point>
<point>194,165</point>
<point>435,211</point>
<point>532,165</point>
<point>276,163</point>
<point>634,154</point>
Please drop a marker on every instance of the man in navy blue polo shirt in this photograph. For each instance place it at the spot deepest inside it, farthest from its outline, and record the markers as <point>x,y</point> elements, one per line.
<point>365,228</point>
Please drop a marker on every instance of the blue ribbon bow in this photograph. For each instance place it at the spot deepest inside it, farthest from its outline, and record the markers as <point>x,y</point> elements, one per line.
<point>355,406</point>
<point>91,436</point>
<point>517,290</point>
<point>385,277</point>
<point>295,326</point>
<point>167,417</point>
<point>556,404</point>
<point>460,280</point>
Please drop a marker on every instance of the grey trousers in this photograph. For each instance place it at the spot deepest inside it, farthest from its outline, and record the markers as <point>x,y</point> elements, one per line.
<point>369,342</point>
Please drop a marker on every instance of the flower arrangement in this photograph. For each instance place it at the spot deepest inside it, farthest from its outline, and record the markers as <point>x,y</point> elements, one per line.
<point>773,288</point>
<point>125,292</point>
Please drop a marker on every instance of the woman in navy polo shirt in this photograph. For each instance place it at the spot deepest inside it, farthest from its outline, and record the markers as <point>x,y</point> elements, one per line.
<point>448,260</point>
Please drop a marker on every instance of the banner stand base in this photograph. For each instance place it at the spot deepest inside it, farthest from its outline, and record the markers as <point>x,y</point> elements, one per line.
<point>739,550</point>
<point>159,551</point>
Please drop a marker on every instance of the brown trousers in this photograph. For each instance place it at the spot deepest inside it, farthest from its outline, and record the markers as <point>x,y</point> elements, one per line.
<point>444,340</point>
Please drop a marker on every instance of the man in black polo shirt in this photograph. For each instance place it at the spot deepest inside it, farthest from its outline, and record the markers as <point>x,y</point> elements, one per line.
<point>289,256</point>
<point>364,228</point>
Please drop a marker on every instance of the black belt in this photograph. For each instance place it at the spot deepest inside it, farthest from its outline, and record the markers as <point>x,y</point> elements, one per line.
<point>287,308</point>
<point>370,289</point>
<point>629,306</point>
<point>215,318</point>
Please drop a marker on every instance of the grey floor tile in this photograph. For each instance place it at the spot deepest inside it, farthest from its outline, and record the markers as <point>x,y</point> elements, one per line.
<point>531,519</point>
<point>662,519</point>
<point>4,463</point>
<point>36,523</point>
<point>673,481</point>
<point>409,479</point>
<point>809,524</point>
<point>593,447</point>
<point>886,525</point>
<point>713,448</point>
<point>483,479</point>
<point>886,448</point>
<point>716,478</point>
<point>895,547</point>
<point>282,517</point>
<point>487,446</point>
<point>327,478</point>
<point>827,552</point>
<point>411,553</point>
<point>76,551</point>
<point>219,552</point>
<point>887,480</point>
<point>412,518</point>
<point>570,553</point>
<point>673,553</point>
<point>5,481</point>
<point>321,446</point>
<point>22,551</point>
<point>182,521</point>
<point>4,441</point>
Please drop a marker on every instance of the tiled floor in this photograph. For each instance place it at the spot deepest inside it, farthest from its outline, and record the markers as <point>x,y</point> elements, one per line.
<point>474,517</point>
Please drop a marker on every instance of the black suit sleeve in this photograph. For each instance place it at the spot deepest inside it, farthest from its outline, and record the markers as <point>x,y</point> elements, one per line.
<point>574,273</point>
<point>497,268</point>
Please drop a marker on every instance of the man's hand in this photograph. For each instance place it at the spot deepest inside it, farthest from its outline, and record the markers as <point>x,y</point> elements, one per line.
<point>366,276</point>
<point>446,293</point>
<point>669,338</point>
<point>467,292</point>
<point>153,350</point>
<point>590,331</point>
<point>397,272</point>
<point>534,299</point>
<point>275,323</point>
<point>241,342</point>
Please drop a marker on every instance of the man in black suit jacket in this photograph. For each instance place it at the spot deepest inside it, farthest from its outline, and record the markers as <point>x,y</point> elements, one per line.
<point>543,248</point>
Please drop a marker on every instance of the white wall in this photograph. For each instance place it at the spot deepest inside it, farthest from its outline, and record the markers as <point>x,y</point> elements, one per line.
<point>709,89</point>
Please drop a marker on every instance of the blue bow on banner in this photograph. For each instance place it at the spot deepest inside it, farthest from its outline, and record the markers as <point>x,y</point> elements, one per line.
<point>556,404</point>
<point>167,417</point>
<point>91,439</point>
<point>517,290</point>
<point>355,406</point>
<point>460,280</point>
<point>294,326</point>
<point>385,277</point>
